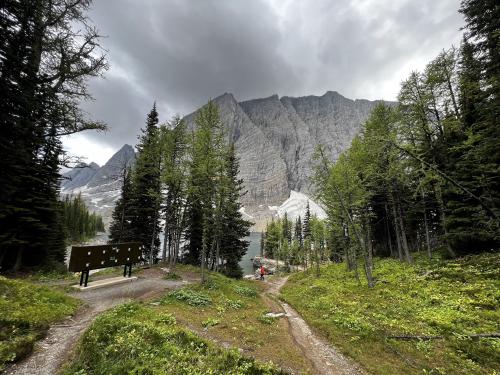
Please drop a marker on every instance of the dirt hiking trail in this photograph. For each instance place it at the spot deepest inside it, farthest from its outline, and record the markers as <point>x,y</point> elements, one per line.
<point>325,358</point>
<point>52,352</point>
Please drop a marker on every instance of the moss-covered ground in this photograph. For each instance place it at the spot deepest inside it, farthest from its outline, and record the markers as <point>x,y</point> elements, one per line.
<point>26,311</point>
<point>453,299</point>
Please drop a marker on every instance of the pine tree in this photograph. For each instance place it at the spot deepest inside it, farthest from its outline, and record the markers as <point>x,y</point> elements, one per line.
<point>146,189</point>
<point>120,229</point>
<point>234,228</point>
<point>262,243</point>
<point>474,223</point>
<point>78,223</point>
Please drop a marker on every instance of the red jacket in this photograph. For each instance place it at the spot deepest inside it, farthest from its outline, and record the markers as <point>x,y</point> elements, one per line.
<point>262,270</point>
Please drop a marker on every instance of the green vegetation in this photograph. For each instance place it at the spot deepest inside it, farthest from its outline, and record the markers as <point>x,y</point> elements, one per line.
<point>424,171</point>
<point>232,311</point>
<point>172,276</point>
<point>170,175</point>
<point>300,243</point>
<point>42,89</point>
<point>191,297</point>
<point>452,299</point>
<point>134,339</point>
<point>26,312</point>
<point>79,223</point>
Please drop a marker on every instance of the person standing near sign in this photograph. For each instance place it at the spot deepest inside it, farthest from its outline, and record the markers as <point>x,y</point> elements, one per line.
<point>262,272</point>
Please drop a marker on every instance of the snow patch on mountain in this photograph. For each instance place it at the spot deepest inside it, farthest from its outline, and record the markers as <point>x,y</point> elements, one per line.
<point>296,206</point>
<point>242,211</point>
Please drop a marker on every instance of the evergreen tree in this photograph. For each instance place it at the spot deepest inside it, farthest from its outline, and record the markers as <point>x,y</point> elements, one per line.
<point>262,243</point>
<point>298,232</point>
<point>474,219</point>
<point>146,189</point>
<point>120,229</point>
<point>48,50</point>
<point>234,228</point>
<point>79,224</point>
<point>307,223</point>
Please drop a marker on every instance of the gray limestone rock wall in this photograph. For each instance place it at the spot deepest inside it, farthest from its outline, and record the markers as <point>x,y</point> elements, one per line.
<point>275,139</point>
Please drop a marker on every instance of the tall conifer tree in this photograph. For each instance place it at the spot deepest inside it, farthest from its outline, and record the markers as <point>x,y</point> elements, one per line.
<point>120,229</point>
<point>234,227</point>
<point>146,189</point>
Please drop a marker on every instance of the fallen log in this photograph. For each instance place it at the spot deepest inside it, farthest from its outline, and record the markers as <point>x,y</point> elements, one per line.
<point>438,337</point>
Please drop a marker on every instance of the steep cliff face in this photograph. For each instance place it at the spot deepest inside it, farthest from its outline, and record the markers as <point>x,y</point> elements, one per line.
<point>276,137</point>
<point>261,165</point>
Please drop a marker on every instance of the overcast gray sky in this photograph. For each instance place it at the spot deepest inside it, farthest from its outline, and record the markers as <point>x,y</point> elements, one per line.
<point>180,53</point>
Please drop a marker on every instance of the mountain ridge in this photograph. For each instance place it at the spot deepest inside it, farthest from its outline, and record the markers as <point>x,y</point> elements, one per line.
<point>275,138</point>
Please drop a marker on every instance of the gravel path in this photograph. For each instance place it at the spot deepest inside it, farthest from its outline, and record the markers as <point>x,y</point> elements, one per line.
<point>326,359</point>
<point>51,352</point>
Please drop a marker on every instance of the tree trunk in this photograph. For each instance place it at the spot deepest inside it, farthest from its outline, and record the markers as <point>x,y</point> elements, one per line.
<point>388,230</point>
<point>396,229</point>
<point>165,241</point>
<point>151,260</point>
<point>403,235</point>
<point>442,217</point>
<point>427,239</point>
<point>217,254</point>
<point>19,259</point>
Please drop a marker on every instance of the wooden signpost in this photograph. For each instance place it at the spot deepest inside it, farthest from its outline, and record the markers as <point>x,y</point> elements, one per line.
<point>86,258</point>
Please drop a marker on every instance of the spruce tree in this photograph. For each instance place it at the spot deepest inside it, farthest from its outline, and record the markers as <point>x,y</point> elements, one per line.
<point>307,223</point>
<point>473,222</point>
<point>262,243</point>
<point>120,229</point>
<point>146,189</point>
<point>174,179</point>
<point>234,227</point>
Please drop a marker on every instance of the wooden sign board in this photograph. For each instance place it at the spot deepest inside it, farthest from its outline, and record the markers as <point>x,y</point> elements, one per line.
<point>102,256</point>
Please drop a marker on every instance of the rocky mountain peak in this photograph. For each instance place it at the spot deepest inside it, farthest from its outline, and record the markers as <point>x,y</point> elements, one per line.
<point>275,139</point>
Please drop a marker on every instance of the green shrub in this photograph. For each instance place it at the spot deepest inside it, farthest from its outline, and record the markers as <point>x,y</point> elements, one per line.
<point>245,291</point>
<point>191,297</point>
<point>26,311</point>
<point>172,276</point>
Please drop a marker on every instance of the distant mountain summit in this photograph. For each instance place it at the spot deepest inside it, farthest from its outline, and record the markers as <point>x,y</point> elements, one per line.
<point>79,176</point>
<point>112,170</point>
<point>100,187</point>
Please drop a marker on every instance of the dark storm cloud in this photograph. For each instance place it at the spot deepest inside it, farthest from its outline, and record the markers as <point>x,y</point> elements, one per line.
<point>181,53</point>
